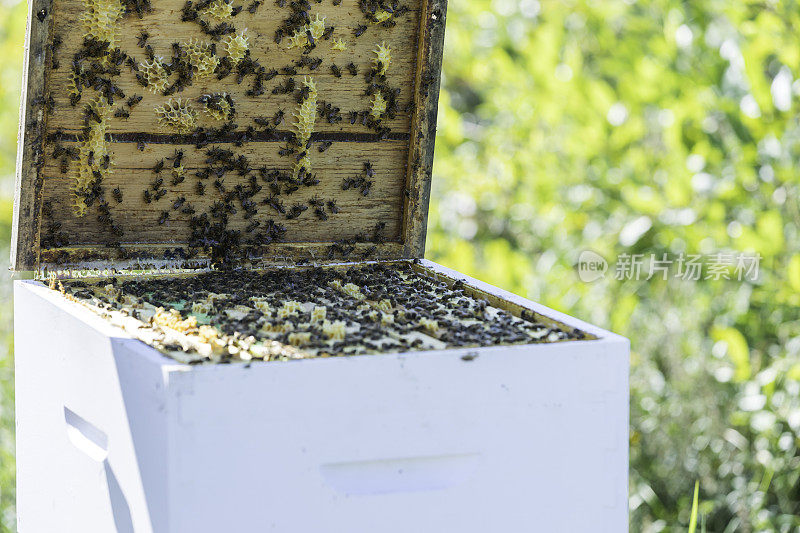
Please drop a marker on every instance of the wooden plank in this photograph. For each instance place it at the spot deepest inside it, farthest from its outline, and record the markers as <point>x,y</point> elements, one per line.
<point>25,226</point>
<point>65,262</point>
<point>346,92</point>
<point>139,220</point>
<point>351,155</point>
<point>423,127</point>
<point>143,118</point>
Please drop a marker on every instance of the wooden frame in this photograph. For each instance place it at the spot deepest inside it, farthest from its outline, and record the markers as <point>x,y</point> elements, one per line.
<point>423,128</point>
<point>30,142</point>
<point>26,253</point>
<point>474,288</point>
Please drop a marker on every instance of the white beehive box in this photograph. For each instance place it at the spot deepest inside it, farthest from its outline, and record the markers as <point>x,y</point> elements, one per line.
<point>112,435</point>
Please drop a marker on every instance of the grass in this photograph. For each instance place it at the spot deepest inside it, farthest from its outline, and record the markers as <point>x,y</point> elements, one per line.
<point>695,505</point>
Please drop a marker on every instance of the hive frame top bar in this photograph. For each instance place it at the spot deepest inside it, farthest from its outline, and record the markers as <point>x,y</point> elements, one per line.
<point>40,196</point>
<point>336,310</point>
<point>97,271</point>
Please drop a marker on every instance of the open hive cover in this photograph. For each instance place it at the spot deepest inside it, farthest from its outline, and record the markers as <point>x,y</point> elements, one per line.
<point>175,132</point>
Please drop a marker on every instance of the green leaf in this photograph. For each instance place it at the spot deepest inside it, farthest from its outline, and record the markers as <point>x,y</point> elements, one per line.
<point>793,272</point>
<point>695,505</point>
<point>770,228</point>
<point>737,350</point>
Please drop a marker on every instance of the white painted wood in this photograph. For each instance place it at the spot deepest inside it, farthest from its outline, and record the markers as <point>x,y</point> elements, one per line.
<point>113,436</point>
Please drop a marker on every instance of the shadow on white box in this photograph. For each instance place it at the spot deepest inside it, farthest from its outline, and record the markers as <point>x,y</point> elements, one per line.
<point>113,436</point>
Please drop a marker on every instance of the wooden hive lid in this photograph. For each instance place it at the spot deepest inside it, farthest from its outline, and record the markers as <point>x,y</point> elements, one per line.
<point>88,193</point>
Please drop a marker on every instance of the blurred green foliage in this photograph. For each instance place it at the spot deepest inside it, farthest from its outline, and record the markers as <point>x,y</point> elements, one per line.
<point>645,127</point>
<point>12,32</point>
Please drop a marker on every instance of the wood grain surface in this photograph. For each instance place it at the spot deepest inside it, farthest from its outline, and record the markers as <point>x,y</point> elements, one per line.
<point>395,206</point>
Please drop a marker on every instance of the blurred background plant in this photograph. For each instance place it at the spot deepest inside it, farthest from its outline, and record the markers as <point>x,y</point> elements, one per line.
<point>652,127</point>
<point>12,34</point>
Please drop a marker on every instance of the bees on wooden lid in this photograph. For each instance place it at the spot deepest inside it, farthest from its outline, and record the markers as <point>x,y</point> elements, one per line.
<point>296,211</point>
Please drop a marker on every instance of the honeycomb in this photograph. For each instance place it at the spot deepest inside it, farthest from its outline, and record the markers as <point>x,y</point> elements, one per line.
<point>378,105</point>
<point>177,114</point>
<point>299,338</point>
<point>200,57</point>
<point>334,330</point>
<point>74,85</point>
<point>172,319</point>
<point>338,44</point>
<point>290,308</point>
<point>381,16</point>
<point>179,172</point>
<point>100,20</point>
<point>217,106</point>
<point>218,10</point>
<point>382,59</point>
<point>236,45</point>
<point>319,313</point>
<point>262,305</point>
<point>155,74</point>
<point>299,38</point>
<point>304,122</point>
<point>430,325</point>
<point>352,290</point>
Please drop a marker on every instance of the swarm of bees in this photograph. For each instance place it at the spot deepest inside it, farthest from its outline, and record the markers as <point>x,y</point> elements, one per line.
<point>308,312</point>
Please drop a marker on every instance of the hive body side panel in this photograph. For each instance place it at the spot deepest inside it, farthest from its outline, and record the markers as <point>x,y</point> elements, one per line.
<point>428,442</point>
<point>91,427</point>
